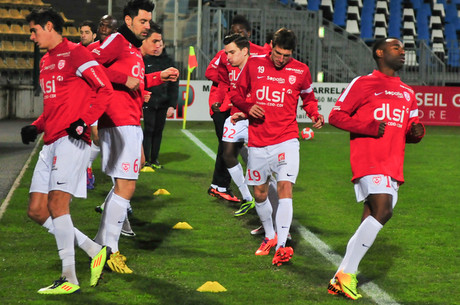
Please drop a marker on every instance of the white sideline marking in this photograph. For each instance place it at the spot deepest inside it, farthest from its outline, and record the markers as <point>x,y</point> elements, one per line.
<point>372,290</point>
<point>16,183</point>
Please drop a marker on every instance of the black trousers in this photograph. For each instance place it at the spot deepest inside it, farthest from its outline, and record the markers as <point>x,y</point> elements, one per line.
<point>221,177</point>
<point>154,123</point>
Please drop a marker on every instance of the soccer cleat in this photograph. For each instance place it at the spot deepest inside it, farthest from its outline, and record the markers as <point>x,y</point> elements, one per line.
<point>266,245</point>
<point>99,209</point>
<point>258,231</point>
<point>334,288</point>
<point>90,179</point>
<point>156,165</point>
<point>227,195</point>
<point>347,283</point>
<point>282,255</point>
<point>61,286</point>
<point>97,265</point>
<point>126,229</point>
<point>245,207</point>
<point>117,263</point>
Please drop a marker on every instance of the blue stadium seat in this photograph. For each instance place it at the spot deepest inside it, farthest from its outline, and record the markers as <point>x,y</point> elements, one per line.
<point>367,20</point>
<point>453,53</point>
<point>340,13</point>
<point>422,16</point>
<point>449,31</point>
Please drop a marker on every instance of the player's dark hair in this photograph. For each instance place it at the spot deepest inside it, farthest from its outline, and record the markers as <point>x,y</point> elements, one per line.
<point>285,39</point>
<point>240,19</point>
<point>132,8</point>
<point>154,28</point>
<point>240,41</point>
<point>43,15</point>
<point>91,25</point>
<point>378,45</point>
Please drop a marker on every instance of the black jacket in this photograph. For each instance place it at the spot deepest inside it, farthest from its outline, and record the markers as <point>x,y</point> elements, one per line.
<point>166,94</point>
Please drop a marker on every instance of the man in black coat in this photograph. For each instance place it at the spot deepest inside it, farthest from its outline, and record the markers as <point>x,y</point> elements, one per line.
<point>163,98</point>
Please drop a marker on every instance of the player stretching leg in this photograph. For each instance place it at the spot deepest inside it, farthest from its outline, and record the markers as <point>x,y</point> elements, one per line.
<point>381,114</point>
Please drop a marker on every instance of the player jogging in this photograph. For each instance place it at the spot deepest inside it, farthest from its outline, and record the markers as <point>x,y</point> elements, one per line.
<point>68,77</point>
<point>119,127</point>
<point>381,114</point>
<point>275,83</point>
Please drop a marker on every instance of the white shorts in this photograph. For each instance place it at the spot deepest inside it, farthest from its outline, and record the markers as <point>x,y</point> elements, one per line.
<point>121,151</point>
<point>61,166</point>
<point>235,133</point>
<point>281,160</point>
<point>376,184</point>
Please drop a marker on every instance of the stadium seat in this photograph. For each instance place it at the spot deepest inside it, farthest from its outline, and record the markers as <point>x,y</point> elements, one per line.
<point>408,14</point>
<point>353,13</point>
<point>29,46</point>
<point>327,8</point>
<point>304,2</point>
<point>437,36</point>
<point>409,41</point>
<point>380,32</point>
<point>17,29</point>
<point>7,46</point>
<point>66,20</point>
<point>11,63</point>
<point>411,58</point>
<point>438,10</point>
<point>4,28</point>
<point>409,28</point>
<point>24,64</point>
<point>382,7</point>
<point>436,22</point>
<point>394,21</point>
<point>380,20</point>
<point>439,50</point>
<point>357,3</point>
<point>15,14</point>
<point>4,14</point>
<point>352,27</point>
<point>25,12</point>
<point>19,46</point>
<point>3,65</point>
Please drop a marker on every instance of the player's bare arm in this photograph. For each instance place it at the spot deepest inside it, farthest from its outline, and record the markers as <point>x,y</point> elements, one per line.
<point>132,83</point>
<point>257,112</point>
<point>318,121</point>
<point>170,75</point>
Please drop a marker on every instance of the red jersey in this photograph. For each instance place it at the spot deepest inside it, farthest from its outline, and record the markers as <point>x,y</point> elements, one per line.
<point>68,77</point>
<point>277,91</point>
<point>367,101</point>
<point>217,72</point>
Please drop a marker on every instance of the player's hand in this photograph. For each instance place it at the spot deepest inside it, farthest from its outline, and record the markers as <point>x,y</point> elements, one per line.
<point>216,107</point>
<point>169,75</point>
<point>132,83</point>
<point>237,116</point>
<point>257,112</point>
<point>77,129</point>
<point>318,121</point>
<point>147,95</point>
<point>29,134</point>
<point>170,112</point>
<point>382,129</point>
<point>417,130</point>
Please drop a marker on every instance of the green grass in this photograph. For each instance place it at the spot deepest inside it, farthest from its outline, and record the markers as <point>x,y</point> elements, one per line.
<point>414,259</point>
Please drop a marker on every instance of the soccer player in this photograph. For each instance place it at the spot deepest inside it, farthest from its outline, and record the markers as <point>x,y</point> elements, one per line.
<point>275,83</point>
<point>235,135</point>
<point>119,127</point>
<point>220,185</point>
<point>68,77</point>
<point>380,112</point>
<point>163,98</point>
<point>87,33</point>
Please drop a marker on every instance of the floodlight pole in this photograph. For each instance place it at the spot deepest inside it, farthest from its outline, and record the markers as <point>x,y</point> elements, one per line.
<point>109,7</point>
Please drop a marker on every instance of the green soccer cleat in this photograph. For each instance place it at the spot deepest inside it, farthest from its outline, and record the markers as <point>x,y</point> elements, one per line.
<point>117,263</point>
<point>97,265</point>
<point>348,283</point>
<point>61,286</point>
<point>245,207</point>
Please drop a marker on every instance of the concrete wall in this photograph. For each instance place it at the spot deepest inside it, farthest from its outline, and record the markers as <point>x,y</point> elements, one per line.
<point>19,102</point>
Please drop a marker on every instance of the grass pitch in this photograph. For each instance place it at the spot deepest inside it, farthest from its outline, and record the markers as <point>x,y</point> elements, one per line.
<point>414,259</point>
